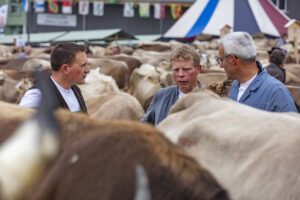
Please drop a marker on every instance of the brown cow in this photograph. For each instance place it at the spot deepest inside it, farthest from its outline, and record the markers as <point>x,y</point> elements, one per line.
<point>132,62</point>
<point>12,90</point>
<point>98,159</point>
<point>116,69</point>
<point>154,46</point>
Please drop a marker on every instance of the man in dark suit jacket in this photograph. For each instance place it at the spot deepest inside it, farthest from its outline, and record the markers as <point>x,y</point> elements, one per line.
<point>185,62</point>
<point>69,67</point>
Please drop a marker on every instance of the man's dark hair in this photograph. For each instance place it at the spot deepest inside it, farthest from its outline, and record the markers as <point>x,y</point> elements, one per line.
<point>273,48</point>
<point>277,57</point>
<point>64,53</point>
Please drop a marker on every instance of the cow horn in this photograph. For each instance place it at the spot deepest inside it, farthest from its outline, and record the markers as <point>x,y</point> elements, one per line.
<point>157,69</point>
<point>142,185</point>
<point>25,154</point>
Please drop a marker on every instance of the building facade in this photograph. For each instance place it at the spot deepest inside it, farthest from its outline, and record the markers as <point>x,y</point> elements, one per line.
<point>113,17</point>
<point>16,17</point>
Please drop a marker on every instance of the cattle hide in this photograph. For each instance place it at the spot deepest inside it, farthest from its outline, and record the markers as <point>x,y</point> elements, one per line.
<point>131,61</point>
<point>97,84</point>
<point>151,57</point>
<point>154,46</point>
<point>116,69</point>
<point>98,159</point>
<point>116,105</point>
<point>253,153</point>
<point>144,82</point>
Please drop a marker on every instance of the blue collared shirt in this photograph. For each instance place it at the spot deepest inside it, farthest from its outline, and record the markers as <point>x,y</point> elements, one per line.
<point>265,93</point>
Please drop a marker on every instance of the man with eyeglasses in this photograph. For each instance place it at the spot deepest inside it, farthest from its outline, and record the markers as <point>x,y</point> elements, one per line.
<point>185,62</point>
<point>252,85</point>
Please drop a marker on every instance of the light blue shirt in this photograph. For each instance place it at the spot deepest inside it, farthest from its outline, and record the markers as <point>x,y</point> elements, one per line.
<point>265,93</point>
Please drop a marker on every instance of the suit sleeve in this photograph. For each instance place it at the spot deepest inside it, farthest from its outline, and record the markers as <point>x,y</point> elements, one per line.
<point>150,114</point>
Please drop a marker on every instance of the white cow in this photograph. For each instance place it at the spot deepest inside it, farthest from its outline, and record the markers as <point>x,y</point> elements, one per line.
<point>104,100</point>
<point>254,154</point>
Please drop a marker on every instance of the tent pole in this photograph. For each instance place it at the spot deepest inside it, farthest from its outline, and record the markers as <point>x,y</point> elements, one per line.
<point>161,18</point>
<point>83,22</point>
<point>28,22</point>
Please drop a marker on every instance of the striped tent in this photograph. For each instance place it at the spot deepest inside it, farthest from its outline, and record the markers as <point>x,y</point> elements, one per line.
<point>209,16</point>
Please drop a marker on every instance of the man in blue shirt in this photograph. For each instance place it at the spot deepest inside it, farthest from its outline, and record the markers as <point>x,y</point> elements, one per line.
<point>185,62</point>
<point>253,86</point>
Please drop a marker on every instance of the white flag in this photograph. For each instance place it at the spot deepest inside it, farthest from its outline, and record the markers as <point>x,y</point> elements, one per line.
<point>39,5</point>
<point>157,10</point>
<point>98,8</point>
<point>128,9</point>
<point>83,7</point>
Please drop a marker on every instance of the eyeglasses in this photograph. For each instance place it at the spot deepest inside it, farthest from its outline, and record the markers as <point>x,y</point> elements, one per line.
<point>220,60</point>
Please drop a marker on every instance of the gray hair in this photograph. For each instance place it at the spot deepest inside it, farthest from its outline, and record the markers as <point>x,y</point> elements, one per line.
<point>239,44</point>
<point>277,57</point>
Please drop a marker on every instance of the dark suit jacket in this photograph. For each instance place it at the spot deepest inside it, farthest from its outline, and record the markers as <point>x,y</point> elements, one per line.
<point>61,100</point>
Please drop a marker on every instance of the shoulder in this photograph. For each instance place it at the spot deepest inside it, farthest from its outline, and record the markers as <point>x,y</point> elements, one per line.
<point>163,93</point>
<point>274,86</point>
<point>31,98</point>
<point>171,88</point>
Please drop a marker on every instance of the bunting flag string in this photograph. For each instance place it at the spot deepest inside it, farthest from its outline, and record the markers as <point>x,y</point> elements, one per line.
<point>144,10</point>
<point>83,7</point>
<point>98,8</point>
<point>52,6</point>
<point>159,11</point>
<point>66,7</point>
<point>176,11</point>
<point>128,9</point>
<point>39,5</point>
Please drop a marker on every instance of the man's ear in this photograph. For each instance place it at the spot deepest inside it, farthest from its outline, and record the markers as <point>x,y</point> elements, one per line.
<point>233,59</point>
<point>64,68</point>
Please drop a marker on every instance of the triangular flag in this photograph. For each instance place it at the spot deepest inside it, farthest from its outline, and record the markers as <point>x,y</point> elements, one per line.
<point>144,10</point>
<point>66,6</point>
<point>52,6</point>
<point>98,8</point>
<point>128,9</point>
<point>39,5</point>
<point>83,7</point>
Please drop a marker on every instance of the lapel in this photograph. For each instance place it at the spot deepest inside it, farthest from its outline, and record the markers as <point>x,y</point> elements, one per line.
<point>256,83</point>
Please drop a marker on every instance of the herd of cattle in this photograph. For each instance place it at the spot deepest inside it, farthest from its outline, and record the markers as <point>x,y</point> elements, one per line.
<point>208,147</point>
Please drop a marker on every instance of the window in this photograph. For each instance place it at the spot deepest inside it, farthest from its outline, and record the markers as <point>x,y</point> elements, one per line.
<point>281,4</point>
<point>16,8</point>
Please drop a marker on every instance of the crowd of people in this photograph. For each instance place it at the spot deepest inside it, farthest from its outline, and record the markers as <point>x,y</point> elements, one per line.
<point>253,85</point>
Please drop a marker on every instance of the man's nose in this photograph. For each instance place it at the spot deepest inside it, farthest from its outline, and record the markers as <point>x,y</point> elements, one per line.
<point>181,72</point>
<point>222,66</point>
